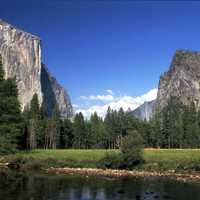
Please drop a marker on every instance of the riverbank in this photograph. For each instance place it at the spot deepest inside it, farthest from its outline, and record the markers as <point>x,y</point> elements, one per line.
<point>184,177</point>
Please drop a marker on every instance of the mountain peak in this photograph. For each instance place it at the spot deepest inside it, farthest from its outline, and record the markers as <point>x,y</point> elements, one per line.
<point>182,80</point>
<point>21,56</point>
<point>6,26</point>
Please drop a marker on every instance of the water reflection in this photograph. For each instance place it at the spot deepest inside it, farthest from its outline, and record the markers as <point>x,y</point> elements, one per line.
<point>20,186</point>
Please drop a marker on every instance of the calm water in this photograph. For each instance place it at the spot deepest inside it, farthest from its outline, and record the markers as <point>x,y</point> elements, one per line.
<point>20,186</point>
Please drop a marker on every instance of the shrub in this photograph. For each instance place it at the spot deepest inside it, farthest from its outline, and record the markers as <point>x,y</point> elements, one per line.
<point>131,154</point>
<point>132,149</point>
<point>111,161</point>
<point>17,163</point>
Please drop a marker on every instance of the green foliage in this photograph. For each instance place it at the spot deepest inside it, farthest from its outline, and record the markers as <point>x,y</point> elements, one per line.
<point>35,107</point>
<point>154,159</point>
<point>33,123</point>
<point>176,126</point>
<point>10,116</point>
<point>53,130</point>
<point>111,161</point>
<point>1,70</point>
<point>97,135</point>
<point>132,149</point>
<point>66,134</point>
<point>131,153</point>
<point>79,131</point>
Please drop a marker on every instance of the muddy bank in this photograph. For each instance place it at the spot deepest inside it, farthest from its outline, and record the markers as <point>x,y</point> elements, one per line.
<point>185,177</point>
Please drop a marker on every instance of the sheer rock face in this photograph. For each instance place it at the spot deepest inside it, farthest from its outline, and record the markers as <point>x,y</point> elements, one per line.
<point>21,56</point>
<point>145,111</point>
<point>182,80</point>
<point>54,93</point>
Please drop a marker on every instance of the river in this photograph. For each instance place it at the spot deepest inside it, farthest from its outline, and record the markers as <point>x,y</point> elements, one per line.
<point>41,186</point>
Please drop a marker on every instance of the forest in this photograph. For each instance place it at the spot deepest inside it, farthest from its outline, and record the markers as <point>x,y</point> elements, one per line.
<point>176,126</point>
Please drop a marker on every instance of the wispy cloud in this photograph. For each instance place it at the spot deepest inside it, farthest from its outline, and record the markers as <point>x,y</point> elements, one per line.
<point>109,91</point>
<point>98,97</point>
<point>116,103</point>
<point>75,106</point>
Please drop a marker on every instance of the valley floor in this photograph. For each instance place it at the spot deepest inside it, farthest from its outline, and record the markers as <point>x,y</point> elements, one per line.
<point>156,160</point>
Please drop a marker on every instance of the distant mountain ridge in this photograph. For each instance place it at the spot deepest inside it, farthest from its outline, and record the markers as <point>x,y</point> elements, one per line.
<point>145,111</point>
<point>21,56</point>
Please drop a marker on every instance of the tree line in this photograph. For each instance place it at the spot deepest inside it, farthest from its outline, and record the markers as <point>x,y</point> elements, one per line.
<point>176,126</point>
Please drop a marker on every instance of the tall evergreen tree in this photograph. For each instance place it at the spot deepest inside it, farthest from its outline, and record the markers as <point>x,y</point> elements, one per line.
<point>1,70</point>
<point>52,132</point>
<point>10,115</point>
<point>66,134</point>
<point>79,131</point>
<point>190,127</point>
<point>110,127</point>
<point>33,123</point>
<point>98,132</point>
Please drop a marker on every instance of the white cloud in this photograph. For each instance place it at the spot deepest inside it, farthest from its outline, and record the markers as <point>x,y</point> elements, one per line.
<point>75,106</point>
<point>116,103</point>
<point>109,91</point>
<point>98,97</point>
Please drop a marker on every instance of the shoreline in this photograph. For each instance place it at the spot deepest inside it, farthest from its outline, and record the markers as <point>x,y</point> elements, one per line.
<point>179,176</point>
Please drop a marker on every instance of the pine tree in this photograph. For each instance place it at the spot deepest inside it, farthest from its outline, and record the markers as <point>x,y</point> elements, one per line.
<point>79,131</point>
<point>25,132</point>
<point>33,123</point>
<point>56,126</point>
<point>66,134</point>
<point>98,132</point>
<point>10,115</point>
<point>190,127</point>
<point>1,70</point>
<point>52,132</point>
<point>43,118</point>
<point>109,122</point>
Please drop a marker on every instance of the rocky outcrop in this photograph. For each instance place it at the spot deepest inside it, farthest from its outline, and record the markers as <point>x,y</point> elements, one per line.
<point>182,80</point>
<point>21,56</point>
<point>145,111</point>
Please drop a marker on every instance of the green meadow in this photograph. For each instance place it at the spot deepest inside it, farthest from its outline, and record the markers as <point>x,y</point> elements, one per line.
<point>155,159</point>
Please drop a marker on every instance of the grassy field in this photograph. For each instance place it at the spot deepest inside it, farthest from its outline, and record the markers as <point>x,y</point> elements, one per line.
<point>155,159</point>
<point>171,159</point>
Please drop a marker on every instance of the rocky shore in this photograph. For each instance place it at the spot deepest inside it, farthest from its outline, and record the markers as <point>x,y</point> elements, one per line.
<point>184,176</point>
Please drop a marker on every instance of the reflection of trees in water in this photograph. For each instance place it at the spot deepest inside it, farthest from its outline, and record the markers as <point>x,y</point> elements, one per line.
<point>21,186</point>
<point>182,191</point>
<point>11,184</point>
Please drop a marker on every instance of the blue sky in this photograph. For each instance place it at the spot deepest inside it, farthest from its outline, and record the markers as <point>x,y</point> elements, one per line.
<point>92,46</point>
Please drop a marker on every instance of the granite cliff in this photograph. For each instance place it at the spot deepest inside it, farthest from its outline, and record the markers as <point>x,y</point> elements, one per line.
<point>21,56</point>
<point>182,80</point>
